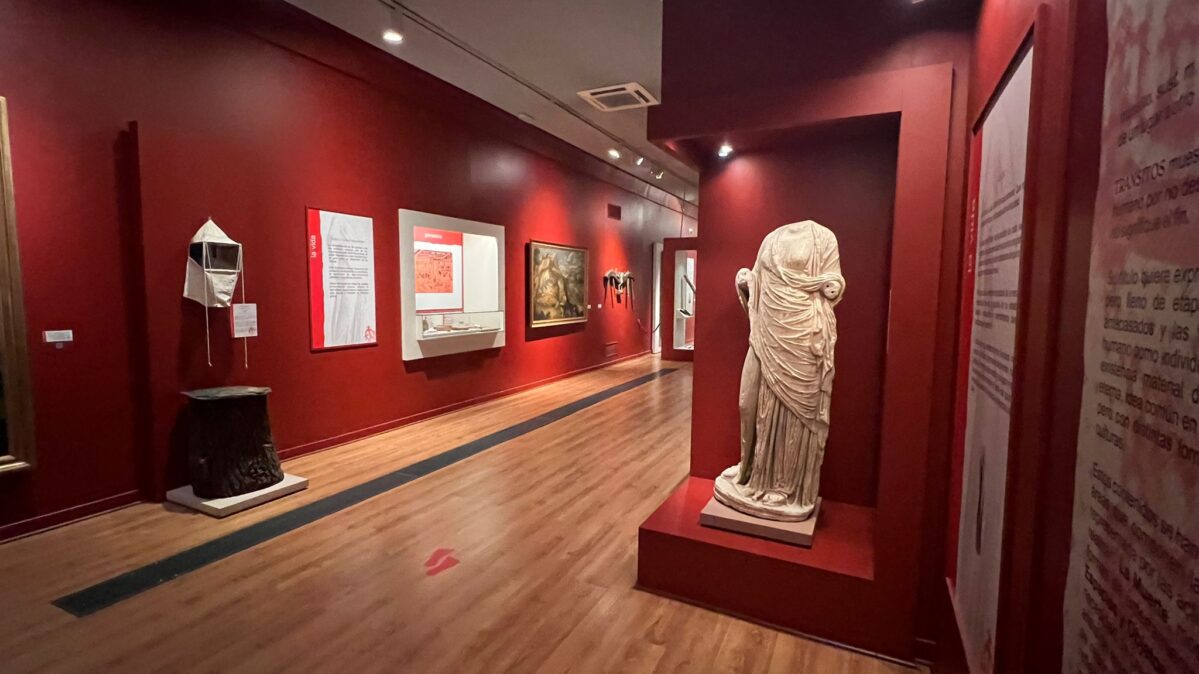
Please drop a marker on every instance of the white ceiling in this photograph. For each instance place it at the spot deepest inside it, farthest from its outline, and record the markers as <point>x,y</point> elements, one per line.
<point>529,58</point>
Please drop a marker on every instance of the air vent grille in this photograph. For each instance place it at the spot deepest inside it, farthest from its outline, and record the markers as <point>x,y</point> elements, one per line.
<point>619,97</point>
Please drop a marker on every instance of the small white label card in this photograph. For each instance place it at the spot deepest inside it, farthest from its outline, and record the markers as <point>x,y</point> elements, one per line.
<point>58,336</point>
<point>245,320</point>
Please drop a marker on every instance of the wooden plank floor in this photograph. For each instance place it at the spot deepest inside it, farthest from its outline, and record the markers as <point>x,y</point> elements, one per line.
<point>544,527</point>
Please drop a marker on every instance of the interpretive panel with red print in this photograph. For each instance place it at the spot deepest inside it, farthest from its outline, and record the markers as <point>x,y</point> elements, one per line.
<point>1132,589</point>
<point>341,279</point>
<point>989,337</point>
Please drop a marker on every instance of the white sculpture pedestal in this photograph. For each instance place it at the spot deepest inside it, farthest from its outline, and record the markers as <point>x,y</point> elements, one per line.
<point>223,507</point>
<point>719,516</point>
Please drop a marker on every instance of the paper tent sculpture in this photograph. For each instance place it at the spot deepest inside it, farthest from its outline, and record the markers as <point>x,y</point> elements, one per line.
<point>213,265</point>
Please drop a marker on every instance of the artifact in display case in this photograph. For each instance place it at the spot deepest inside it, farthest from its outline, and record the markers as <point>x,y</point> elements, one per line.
<point>452,285</point>
<point>436,326</point>
<point>557,284</point>
<point>684,300</point>
<point>787,380</point>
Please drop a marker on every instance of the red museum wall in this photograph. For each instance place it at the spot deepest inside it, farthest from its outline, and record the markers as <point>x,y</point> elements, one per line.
<point>718,59</point>
<point>248,113</point>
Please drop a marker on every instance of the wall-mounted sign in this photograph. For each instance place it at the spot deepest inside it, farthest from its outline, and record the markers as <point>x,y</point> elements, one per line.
<point>245,320</point>
<point>341,279</point>
<point>58,336</point>
<point>1132,589</point>
<point>996,232</point>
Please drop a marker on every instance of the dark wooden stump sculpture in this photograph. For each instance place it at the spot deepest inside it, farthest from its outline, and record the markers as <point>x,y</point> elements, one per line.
<point>230,447</point>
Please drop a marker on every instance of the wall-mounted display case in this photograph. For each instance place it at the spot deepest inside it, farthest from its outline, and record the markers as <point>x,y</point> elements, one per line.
<point>684,300</point>
<point>676,317</point>
<point>451,285</point>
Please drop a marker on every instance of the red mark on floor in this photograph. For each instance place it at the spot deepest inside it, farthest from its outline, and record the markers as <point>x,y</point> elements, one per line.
<point>440,560</point>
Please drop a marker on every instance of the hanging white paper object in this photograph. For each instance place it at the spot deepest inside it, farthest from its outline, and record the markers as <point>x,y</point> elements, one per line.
<point>213,266</point>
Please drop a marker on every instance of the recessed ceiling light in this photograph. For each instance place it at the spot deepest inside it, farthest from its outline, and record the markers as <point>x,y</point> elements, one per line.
<point>524,116</point>
<point>614,153</point>
<point>725,150</point>
<point>391,36</point>
<point>659,174</point>
<point>640,161</point>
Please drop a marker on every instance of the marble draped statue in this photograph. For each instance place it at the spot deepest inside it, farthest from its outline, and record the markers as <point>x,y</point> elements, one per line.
<point>787,379</point>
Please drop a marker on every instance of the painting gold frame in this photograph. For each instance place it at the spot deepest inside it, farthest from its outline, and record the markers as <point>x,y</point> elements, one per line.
<point>14,352</point>
<point>531,286</point>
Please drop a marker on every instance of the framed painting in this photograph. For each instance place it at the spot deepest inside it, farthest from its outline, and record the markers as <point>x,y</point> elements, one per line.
<point>16,389</point>
<point>557,284</point>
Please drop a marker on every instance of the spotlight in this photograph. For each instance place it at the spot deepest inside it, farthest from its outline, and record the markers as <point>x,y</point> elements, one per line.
<point>640,161</point>
<point>614,153</point>
<point>391,36</point>
<point>659,174</point>
<point>724,151</point>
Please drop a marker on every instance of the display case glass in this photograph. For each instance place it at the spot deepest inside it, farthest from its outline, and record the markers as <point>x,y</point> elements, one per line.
<point>684,300</point>
<point>454,324</point>
<point>451,286</point>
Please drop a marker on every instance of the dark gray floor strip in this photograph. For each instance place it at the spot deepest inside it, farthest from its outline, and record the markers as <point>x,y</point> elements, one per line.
<point>118,588</point>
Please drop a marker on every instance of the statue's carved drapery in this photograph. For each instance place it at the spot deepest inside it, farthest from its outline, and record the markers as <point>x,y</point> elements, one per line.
<point>787,380</point>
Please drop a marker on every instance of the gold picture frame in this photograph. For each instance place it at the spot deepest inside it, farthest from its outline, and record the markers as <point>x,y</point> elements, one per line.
<point>557,284</point>
<point>16,390</point>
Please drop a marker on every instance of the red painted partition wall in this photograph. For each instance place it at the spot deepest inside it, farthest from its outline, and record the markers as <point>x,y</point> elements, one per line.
<point>249,112</point>
<point>868,156</point>
<point>730,74</point>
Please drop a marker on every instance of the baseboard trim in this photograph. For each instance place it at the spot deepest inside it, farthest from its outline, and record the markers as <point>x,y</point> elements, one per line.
<point>926,651</point>
<point>53,520</point>
<point>338,440</point>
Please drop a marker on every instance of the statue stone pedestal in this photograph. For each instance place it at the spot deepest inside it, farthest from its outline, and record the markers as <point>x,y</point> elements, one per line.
<point>719,516</point>
<point>231,452</point>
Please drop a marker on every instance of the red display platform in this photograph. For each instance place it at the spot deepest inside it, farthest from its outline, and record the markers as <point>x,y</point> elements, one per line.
<point>843,543</point>
<point>765,580</point>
